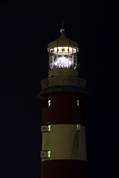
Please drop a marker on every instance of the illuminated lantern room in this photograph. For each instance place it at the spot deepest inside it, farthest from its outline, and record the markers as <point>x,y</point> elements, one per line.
<point>63,53</point>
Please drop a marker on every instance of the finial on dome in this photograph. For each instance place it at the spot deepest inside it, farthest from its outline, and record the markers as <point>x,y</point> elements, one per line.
<point>62,29</point>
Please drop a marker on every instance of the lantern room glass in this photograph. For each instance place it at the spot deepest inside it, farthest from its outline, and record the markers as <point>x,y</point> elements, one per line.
<point>63,57</point>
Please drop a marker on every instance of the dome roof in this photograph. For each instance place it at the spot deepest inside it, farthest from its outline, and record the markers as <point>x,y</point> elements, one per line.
<point>62,41</point>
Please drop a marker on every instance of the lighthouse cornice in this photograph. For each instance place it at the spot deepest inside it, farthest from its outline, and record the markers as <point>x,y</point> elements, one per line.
<point>81,88</point>
<point>72,82</point>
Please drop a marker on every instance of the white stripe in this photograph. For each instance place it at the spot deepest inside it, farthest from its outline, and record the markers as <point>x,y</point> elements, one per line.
<point>63,141</point>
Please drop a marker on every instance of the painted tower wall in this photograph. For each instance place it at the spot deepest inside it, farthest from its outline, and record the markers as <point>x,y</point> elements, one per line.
<point>63,135</point>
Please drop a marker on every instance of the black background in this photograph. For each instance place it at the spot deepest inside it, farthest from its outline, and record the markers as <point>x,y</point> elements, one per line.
<point>26,29</point>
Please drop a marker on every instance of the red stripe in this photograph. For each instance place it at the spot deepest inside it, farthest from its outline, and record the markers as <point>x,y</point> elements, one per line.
<point>64,169</point>
<point>63,109</point>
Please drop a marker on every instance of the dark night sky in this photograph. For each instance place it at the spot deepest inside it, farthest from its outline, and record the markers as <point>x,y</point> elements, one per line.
<point>26,29</point>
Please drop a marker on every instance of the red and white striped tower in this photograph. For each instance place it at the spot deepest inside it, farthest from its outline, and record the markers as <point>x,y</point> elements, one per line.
<point>62,96</point>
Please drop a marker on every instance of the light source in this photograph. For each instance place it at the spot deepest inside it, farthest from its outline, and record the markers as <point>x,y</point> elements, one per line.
<point>63,53</point>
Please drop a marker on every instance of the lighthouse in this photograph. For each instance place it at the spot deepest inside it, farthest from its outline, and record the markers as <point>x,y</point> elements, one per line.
<point>63,98</point>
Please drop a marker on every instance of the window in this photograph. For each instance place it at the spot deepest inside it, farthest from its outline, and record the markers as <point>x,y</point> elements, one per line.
<point>78,102</point>
<point>78,127</point>
<point>45,154</point>
<point>49,103</point>
<point>49,128</point>
<point>49,154</point>
<point>45,128</point>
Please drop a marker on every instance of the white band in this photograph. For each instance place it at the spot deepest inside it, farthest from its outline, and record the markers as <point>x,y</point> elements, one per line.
<point>63,141</point>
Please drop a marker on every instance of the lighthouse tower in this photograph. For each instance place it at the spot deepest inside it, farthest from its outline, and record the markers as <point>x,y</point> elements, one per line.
<point>63,98</point>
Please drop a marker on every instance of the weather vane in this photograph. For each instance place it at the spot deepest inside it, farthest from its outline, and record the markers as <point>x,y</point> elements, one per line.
<point>62,27</point>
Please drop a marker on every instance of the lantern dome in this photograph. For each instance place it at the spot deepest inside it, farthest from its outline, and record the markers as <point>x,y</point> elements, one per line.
<point>62,41</point>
